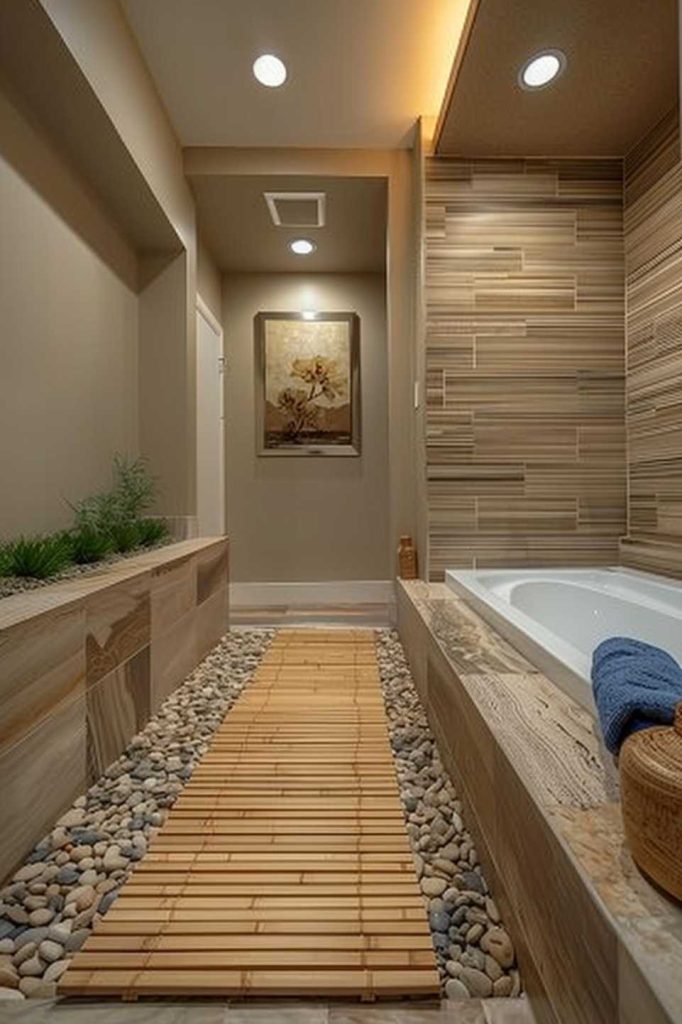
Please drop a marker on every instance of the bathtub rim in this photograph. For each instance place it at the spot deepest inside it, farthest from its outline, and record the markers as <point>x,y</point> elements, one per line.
<point>565,665</point>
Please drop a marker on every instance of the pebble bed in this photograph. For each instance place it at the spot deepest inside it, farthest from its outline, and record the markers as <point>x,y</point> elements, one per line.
<point>73,875</point>
<point>474,952</point>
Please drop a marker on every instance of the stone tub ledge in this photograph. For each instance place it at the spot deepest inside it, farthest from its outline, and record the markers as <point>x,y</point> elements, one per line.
<point>598,943</point>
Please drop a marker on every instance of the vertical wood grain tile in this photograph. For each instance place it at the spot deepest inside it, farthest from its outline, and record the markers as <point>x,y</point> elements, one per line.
<point>118,706</point>
<point>41,775</point>
<point>42,665</point>
<point>211,621</point>
<point>212,571</point>
<point>173,593</point>
<point>117,625</point>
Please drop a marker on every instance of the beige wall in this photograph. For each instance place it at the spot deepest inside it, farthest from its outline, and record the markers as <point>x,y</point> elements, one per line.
<point>209,282</point>
<point>97,35</point>
<point>162,374</point>
<point>397,168</point>
<point>306,519</point>
<point>68,359</point>
<point>99,40</point>
<point>104,399</point>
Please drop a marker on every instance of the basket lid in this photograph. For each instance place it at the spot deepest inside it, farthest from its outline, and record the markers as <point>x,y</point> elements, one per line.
<point>657,751</point>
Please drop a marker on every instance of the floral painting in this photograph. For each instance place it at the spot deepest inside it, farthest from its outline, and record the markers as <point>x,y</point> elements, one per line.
<point>309,370</point>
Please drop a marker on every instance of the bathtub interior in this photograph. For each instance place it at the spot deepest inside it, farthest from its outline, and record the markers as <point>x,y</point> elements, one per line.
<point>557,617</point>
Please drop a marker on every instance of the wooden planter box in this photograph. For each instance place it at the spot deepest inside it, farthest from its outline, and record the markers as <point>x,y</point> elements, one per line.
<point>83,666</point>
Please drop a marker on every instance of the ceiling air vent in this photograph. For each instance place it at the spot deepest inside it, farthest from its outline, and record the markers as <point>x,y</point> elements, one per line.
<point>296,209</point>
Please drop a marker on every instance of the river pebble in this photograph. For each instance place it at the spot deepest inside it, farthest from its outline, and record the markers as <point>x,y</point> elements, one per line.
<point>474,952</point>
<point>73,875</point>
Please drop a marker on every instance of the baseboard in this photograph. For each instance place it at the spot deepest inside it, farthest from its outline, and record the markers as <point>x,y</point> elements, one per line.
<point>334,592</point>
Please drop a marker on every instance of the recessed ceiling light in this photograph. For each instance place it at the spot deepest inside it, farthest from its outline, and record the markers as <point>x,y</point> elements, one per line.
<point>302,246</point>
<point>542,69</point>
<point>270,70</point>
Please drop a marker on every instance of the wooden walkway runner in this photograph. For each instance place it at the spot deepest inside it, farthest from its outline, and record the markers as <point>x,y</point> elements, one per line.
<point>283,867</point>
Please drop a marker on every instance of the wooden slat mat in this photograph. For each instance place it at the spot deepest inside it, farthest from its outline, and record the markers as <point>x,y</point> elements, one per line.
<point>284,867</point>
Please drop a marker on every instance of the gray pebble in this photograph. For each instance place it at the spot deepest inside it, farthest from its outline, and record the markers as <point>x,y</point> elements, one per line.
<point>17,915</point>
<point>454,989</point>
<point>76,940</point>
<point>433,886</point>
<point>50,951</point>
<point>67,876</point>
<point>40,917</point>
<point>473,882</point>
<point>439,922</point>
<point>32,966</point>
<point>30,936</point>
<point>503,986</point>
<point>107,901</point>
<point>478,983</point>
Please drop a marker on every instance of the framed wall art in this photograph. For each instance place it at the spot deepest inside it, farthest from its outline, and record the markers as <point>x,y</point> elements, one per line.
<point>308,384</point>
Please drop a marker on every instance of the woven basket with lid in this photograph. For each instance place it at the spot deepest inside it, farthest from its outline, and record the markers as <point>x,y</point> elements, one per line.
<point>650,765</point>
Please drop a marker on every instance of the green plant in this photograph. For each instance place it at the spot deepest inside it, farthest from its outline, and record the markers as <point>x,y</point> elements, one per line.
<point>134,488</point>
<point>38,557</point>
<point>4,560</point>
<point>89,545</point>
<point>125,536</point>
<point>152,531</point>
<point>132,495</point>
<point>97,512</point>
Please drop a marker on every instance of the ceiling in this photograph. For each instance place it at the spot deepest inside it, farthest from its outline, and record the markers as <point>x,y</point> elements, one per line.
<point>620,79</point>
<point>237,228</point>
<point>360,71</point>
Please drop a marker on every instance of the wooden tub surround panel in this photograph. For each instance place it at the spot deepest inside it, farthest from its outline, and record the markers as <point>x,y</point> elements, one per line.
<point>284,867</point>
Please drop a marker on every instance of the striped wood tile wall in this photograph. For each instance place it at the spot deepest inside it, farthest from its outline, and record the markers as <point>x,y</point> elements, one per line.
<point>653,253</point>
<point>525,362</point>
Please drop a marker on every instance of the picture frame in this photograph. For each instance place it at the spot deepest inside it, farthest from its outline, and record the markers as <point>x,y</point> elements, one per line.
<point>307,384</point>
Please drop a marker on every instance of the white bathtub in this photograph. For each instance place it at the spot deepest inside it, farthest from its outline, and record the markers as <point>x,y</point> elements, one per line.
<point>557,617</point>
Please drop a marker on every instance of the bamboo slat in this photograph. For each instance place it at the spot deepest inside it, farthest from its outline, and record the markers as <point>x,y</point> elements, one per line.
<point>283,867</point>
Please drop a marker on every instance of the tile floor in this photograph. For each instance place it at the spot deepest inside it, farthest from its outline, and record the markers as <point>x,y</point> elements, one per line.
<point>489,1011</point>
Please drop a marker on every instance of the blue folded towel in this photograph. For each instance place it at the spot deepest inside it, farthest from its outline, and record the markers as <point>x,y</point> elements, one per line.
<point>635,686</point>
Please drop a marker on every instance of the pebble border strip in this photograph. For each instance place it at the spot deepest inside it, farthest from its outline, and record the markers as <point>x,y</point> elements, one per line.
<point>475,954</point>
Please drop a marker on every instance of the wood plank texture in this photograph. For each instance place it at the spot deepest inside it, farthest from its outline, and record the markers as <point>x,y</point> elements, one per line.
<point>84,663</point>
<point>284,867</point>
<point>525,446</point>
<point>653,253</point>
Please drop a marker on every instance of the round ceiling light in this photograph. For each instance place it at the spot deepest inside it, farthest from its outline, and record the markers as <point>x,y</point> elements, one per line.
<point>270,70</point>
<point>542,69</point>
<point>302,246</point>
